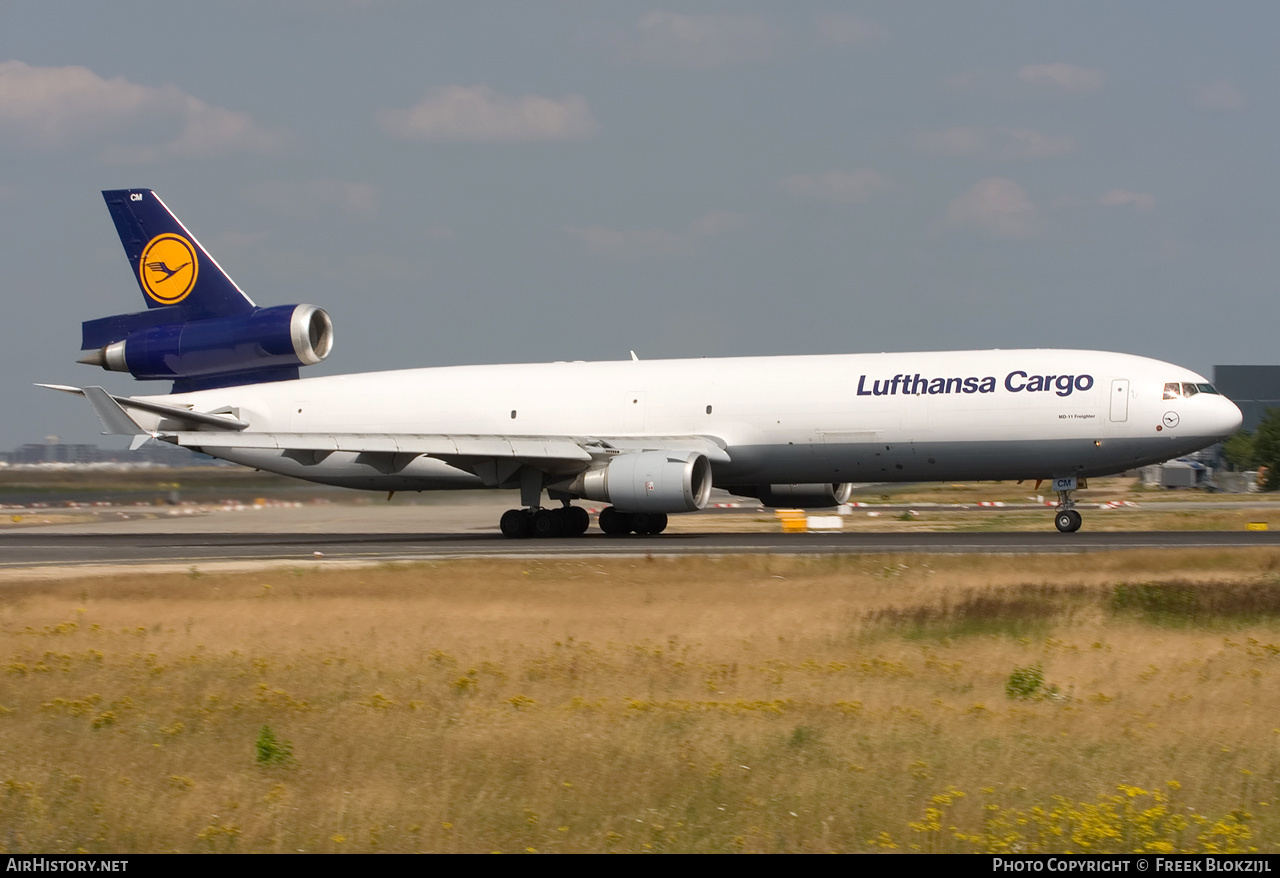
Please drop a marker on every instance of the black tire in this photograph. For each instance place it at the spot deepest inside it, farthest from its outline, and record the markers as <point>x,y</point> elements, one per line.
<point>614,523</point>
<point>515,524</point>
<point>579,520</point>
<point>649,522</point>
<point>546,523</point>
<point>1065,521</point>
<point>1077,520</point>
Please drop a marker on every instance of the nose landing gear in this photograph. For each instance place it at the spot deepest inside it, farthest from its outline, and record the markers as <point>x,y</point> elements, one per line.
<point>1066,519</point>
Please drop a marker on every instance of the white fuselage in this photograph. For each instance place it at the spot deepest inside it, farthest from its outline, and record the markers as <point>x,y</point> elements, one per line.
<point>810,419</point>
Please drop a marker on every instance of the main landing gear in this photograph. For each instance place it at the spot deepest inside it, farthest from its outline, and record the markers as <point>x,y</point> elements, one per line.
<point>569,521</point>
<point>573,521</point>
<point>617,524</point>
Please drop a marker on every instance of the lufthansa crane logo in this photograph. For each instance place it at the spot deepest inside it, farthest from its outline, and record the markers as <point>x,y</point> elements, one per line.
<point>168,268</point>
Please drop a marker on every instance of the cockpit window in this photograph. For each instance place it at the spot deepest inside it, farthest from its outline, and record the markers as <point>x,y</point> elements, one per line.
<point>1173,390</point>
<point>1208,388</point>
<point>1189,390</point>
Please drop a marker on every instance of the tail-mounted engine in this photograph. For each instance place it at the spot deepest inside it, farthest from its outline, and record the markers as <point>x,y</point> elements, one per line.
<point>266,344</point>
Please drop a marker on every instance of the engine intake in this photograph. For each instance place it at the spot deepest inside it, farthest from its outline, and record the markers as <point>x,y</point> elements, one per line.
<point>649,481</point>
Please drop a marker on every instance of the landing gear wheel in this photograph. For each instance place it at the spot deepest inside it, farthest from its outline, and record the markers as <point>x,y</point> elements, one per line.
<point>1068,521</point>
<point>516,524</point>
<point>547,523</point>
<point>578,521</point>
<point>649,522</point>
<point>615,523</point>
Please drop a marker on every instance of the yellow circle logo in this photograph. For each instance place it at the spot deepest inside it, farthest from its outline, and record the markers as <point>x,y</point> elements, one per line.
<point>168,268</point>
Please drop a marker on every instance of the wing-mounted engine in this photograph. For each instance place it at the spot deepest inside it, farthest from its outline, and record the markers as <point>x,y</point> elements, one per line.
<point>264,344</point>
<point>819,496</point>
<point>649,481</point>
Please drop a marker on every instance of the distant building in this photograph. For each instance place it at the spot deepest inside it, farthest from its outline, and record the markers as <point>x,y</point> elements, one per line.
<point>1254,388</point>
<point>35,452</point>
<point>153,453</point>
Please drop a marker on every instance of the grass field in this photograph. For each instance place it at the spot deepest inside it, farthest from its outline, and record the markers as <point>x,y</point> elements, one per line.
<point>1095,702</point>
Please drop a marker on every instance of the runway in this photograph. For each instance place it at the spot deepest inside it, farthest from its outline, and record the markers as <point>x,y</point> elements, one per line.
<point>127,537</point>
<point>34,549</point>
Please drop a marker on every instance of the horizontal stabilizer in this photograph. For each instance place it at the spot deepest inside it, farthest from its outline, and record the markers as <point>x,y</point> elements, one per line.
<point>103,401</point>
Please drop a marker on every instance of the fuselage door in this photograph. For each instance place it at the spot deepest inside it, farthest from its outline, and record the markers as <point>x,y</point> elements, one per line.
<point>1119,399</point>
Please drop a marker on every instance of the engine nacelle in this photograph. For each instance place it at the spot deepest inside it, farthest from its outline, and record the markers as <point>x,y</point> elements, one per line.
<point>819,496</point>
<point>649,481</point>
<point>267,338</point>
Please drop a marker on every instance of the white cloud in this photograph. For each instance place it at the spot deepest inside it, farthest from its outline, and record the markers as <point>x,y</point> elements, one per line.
<point>845,30</point>
<point>1066,77</point>
<point>700,41</point>
<point>1003,143</point>
<point>837,186</point>
<point>310,199</point>
<point>631,244</point>
<point>998,206</point>
<point>1121,197</point>
<point>1220,96</point>
<point>59,106</point>
<point>478,114</point>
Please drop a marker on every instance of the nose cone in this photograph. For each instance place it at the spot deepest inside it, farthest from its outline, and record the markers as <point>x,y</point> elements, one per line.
<point>1227,418</point>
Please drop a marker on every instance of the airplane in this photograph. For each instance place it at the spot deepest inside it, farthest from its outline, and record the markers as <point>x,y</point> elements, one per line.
<point>650,438</point>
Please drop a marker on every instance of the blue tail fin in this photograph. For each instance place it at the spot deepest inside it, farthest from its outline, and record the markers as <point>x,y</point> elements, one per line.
<point>199,329</point>
<point>168,262</point>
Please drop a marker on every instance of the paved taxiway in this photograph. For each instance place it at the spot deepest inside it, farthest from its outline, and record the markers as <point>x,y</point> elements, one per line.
<point>370,533</point>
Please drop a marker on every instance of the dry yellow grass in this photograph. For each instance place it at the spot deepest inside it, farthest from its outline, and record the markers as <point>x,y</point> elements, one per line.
<point>755,703</point>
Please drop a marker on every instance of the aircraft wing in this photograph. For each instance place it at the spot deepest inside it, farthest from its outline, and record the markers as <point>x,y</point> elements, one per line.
<point>493,457</point>
<point>441,445</point>
<point>455,447</point>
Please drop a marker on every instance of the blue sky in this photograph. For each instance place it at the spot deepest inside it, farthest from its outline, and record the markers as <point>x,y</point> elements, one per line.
<point>512,182</point>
